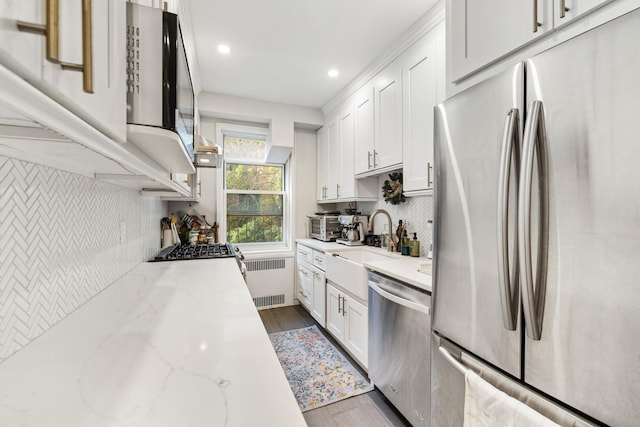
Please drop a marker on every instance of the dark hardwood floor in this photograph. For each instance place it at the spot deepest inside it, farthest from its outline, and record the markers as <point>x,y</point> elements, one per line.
<point>368,410</point>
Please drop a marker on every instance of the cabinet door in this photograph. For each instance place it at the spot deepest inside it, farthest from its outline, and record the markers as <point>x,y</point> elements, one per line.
<point>364,130</point>
<point>22,52</point>
<point>567,10</point>
<point>388,113</point>
<point>318,309</point>
<point>421,74</point>
<point>335,318</point>
<point>333,147</point>
<point>346,184</point>
<point>25,53</point>
<point>482,32</point>
<point>304,286</point>
<point>357,330</point>
<point>105,107</point>
<point>323,161</point>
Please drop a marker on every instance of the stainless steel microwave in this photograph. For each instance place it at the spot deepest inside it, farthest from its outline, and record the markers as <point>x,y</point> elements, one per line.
<point>324,227</point>
<point>159,87</point>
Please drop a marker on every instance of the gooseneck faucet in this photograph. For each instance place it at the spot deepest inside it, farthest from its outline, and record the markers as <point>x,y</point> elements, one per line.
<point>391,246</point>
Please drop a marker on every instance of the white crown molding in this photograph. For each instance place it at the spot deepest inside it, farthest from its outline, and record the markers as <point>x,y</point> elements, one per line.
<point>426,23</point>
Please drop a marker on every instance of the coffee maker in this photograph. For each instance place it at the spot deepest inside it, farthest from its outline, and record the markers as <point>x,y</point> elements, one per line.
<point>354,229</point>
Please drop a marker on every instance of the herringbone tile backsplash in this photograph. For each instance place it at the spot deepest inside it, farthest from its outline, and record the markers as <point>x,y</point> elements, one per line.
<point>60,244</point>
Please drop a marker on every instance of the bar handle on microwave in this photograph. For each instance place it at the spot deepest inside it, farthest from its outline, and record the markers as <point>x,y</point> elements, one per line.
<point>508,274</point>
<point>87,50</point>
<point>534,148</point>
<point>49,30</point>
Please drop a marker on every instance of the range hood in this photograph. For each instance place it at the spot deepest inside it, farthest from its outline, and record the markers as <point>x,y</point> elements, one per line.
<point>207,154</point>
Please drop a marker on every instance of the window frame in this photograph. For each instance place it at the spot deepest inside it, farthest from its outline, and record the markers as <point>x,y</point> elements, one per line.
<point>251,132</point>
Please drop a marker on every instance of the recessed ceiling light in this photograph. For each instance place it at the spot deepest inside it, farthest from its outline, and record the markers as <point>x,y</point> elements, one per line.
<point>223,48</point>
<point>333,72</point>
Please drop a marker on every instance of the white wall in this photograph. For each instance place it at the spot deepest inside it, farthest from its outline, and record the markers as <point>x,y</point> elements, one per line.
<point>281,118</point>
<point>304,182</point>
<point>291,126</point>
<point>417,211</point>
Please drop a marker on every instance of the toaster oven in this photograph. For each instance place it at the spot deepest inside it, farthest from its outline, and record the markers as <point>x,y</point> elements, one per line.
<point>324,227</point>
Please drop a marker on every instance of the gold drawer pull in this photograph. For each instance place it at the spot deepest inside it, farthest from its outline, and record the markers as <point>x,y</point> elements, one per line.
<point>87,50</point>
<point>49,29</point>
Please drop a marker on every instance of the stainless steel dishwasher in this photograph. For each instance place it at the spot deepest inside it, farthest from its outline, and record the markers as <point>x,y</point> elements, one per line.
<point>399,345</point>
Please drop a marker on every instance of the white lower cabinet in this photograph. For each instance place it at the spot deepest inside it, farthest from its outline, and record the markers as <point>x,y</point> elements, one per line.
<point>347,322</point>
<point>318,293</point>
<point>335,318</point>
<point>311,283</point>
<point>304,286</point>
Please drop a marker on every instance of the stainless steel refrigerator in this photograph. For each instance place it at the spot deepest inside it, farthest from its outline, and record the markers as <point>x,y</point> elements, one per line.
<point>537,233</point>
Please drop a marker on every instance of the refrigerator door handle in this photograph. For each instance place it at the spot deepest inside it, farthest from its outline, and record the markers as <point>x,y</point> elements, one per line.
<point>508,274</point>
<point>534,148</point>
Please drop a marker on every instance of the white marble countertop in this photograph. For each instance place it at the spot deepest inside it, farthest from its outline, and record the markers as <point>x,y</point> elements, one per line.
<point>169,344</point>
<point>403,268</point>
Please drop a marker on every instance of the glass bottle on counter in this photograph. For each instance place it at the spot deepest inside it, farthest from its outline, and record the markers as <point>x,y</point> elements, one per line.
<point>406,249</point>
<point>415,245</point>
<point>399,231</point>
<point>202,235</point>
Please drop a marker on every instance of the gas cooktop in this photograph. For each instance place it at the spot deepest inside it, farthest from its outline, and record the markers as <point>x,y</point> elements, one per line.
<point>201,251</point>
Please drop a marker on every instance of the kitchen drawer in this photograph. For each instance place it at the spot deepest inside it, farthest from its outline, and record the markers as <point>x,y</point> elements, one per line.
<point>318,260</point>
<point>305,254</point>
<point>305,286</point>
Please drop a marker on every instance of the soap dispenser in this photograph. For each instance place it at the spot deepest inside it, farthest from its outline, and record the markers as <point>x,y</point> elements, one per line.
<point>415,245</point>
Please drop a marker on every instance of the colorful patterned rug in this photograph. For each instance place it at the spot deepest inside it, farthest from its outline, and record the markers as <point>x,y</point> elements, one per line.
<point>317,372</point>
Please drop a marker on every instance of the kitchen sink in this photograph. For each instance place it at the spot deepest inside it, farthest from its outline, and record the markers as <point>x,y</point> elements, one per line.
<point>346,269</point>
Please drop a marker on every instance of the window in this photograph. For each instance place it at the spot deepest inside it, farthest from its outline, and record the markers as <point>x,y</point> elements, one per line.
<point>254,192</point>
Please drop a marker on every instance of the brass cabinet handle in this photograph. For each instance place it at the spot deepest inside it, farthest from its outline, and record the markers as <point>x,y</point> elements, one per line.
<point>536,24</point>
<point>87,50</point>
<point>49,30</point>
<point>429,180</point>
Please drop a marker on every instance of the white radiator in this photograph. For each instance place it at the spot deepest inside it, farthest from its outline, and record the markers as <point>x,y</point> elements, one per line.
<point>270,281</point>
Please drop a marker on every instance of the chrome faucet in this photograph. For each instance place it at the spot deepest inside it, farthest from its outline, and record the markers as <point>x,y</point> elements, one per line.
<point>391,246</point>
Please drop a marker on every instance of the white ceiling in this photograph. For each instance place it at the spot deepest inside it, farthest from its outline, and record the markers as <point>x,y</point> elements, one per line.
<point>281,50</point>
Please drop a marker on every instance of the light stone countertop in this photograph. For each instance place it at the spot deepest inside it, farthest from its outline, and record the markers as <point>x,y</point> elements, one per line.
<point>399,267</point>
<point>169,344</point>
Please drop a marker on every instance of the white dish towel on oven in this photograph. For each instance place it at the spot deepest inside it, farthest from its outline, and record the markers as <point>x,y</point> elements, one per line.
<point>486,406</point>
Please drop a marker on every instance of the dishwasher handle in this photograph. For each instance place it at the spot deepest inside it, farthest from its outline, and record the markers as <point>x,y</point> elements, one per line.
<point>386,293</point>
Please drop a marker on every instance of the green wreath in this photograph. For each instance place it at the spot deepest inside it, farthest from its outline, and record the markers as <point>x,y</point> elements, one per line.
<point>392,189</point>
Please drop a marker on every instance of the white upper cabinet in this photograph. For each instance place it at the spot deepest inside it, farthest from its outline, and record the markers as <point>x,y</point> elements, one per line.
<point>333,145</point>
<point>378,123</point>
<point>387,153</point>
<point>423,83</point>
<point>82,67</point>
<point>322,150</point>
<point>364,130</point>
<point>344,160</point>
<point>566,10</point>
<point>336,180</point>
<point>327,147</point>
<point>484,31</point>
